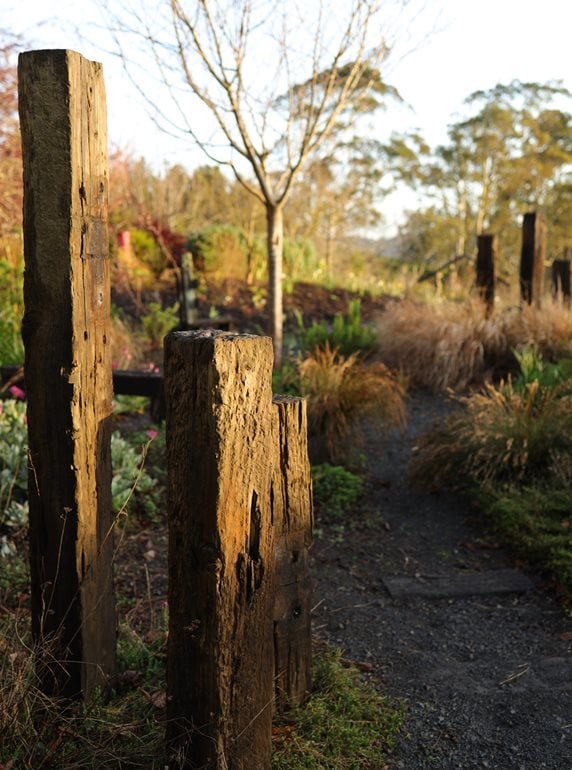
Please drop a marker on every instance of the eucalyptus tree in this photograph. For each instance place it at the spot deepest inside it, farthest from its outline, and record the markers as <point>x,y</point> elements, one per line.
<point>512,152</point>
<point>262,86</point>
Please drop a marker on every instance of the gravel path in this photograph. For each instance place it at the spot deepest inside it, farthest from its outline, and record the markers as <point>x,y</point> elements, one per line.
<point>487,677</point>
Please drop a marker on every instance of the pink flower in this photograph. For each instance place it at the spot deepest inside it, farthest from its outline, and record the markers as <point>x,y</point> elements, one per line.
<point>17,392</point>
<point>151,434</point>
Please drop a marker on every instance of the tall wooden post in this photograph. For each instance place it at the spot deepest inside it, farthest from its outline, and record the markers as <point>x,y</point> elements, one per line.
<point>485,278</point>
<point>294,522</point>
<point>220,456</point>
<point>68,367</point>
<point>532,258</point>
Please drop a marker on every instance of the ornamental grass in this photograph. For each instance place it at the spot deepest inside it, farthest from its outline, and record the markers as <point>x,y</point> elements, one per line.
<point>453,345</point>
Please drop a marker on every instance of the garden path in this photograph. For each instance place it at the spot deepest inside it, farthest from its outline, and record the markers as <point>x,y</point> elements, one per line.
<point>486,675</point>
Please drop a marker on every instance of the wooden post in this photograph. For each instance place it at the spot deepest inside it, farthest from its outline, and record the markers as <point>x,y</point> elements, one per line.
<point>68,368</point>
<point>561,279</point>
<point>485,279</point>
<point>220,458</point>
<point>294,522</point>
<point>532,258</point>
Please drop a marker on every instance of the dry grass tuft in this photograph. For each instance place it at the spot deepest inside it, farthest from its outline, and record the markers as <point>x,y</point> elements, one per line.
<point>113,730</point>
<point>341,390</point>
<point>452,345</point>
<point>503,435</point>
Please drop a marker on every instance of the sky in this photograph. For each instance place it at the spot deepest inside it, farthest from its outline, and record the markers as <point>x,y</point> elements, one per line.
<point>457,47</point>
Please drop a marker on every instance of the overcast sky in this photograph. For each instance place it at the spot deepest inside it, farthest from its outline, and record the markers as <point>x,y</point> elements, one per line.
<point>472,45</point>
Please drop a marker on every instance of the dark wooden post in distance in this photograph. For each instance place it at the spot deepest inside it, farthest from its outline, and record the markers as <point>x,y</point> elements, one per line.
<point>532,258</point>
<point>485,278</point>
<point>220,455</point>
<point>68,368</point>
<point>561,278</point>
<point>294,523</point>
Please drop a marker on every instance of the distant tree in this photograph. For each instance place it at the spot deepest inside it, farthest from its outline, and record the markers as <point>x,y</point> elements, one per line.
<point>276,82</point>
<point>512,154</point>
<point>337,196</point>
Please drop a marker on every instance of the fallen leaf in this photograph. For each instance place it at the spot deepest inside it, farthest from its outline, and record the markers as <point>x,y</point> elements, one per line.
<point>158,699</point>
<point>566,636</point>
<point>565,524</point>
<point>149,555</point>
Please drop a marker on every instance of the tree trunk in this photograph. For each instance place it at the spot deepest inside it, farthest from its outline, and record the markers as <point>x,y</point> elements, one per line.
<point>66,332</point>
<point>275,234</point>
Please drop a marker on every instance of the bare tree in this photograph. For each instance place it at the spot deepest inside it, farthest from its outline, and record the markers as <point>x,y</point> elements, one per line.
<point>272,83</point>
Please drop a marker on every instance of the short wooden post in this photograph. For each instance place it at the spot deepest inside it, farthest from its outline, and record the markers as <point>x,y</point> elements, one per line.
<point>561,280</point>
<point>220,456</point>
<point>532,258</point>
<point>485,278</point>
<point>68,368</point>
<point>294,522</point>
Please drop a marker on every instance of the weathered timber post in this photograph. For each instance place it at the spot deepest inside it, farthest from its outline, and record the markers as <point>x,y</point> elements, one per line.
<point>68,367</point>
<point>561,279</point>
<point>294,522</point>
<point>220,456</point>
<point>532,258</point>
<point>485,278</point>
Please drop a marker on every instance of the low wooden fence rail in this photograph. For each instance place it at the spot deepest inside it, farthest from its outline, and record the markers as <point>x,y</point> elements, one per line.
<point>126,382</point>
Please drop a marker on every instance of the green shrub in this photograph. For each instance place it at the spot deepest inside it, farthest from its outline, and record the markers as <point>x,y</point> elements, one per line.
<point>336,490</point>
<point>158,321</point>
<point>220,249</point>
<point>148,251</point>
<point>347,334</point>
<point>13,471</point>
<point>300,259</point>
<point>132,486</point>
<point>533,368</point>
<point>537,521</point>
